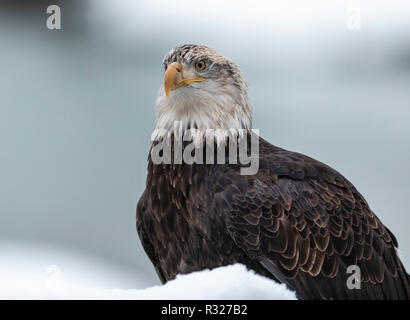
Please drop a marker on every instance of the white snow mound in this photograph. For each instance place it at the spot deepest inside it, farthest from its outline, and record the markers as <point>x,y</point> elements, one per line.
<point>23,277</point>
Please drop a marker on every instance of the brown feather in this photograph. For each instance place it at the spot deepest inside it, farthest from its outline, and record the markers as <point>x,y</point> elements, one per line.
<point>296,221</point>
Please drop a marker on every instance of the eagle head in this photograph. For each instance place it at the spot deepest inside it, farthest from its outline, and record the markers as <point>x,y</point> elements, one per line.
<point>202,90</point>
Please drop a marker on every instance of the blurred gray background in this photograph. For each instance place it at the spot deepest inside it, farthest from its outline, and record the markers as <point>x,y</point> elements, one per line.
<point>76,108</point>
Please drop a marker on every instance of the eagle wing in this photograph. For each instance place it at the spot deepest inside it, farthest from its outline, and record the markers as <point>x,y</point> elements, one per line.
<point>145,232</point>
<point>306,224</point>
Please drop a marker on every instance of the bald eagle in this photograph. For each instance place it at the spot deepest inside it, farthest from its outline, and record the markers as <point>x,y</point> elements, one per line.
<point>295,220</point>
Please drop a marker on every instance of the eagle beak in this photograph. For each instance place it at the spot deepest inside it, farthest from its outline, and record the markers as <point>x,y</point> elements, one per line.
<point>173,78</point>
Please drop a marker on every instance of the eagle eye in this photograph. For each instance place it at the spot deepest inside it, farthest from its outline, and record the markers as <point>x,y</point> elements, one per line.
<point>200,65</point>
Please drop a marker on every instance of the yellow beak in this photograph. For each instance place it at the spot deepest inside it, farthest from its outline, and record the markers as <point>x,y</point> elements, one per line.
<point>173,78</point>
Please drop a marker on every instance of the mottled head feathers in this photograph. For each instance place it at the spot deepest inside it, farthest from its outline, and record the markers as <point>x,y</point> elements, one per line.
<point>219,102</point>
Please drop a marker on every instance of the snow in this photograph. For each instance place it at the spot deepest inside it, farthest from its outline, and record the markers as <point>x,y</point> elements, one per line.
<point>24,274</point>
<point>230,282</point>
